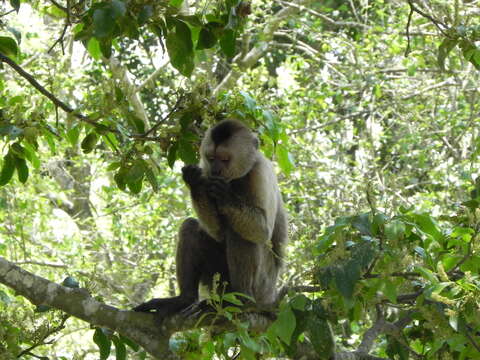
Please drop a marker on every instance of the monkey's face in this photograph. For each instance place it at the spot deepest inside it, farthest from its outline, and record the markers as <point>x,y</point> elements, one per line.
<point>232,158</point>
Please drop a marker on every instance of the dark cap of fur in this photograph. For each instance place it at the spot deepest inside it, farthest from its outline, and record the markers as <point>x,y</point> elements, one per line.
<point>224,130</point>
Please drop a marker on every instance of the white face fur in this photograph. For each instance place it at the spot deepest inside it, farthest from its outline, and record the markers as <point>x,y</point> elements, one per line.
<point>235,153</point>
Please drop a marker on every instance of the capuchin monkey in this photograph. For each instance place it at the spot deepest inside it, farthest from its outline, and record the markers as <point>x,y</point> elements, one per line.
<point>241,228</point>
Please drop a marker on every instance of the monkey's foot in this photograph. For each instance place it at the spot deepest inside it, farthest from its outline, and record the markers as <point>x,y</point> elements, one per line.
<point>198,308</point>
<point>164,307</point>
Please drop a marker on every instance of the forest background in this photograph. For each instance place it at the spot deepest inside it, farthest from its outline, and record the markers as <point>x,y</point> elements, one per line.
<point>368,108</point>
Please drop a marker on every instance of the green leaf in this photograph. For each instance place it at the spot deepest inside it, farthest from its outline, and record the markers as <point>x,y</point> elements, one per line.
<point>428,225</point>
<point>15,4</point>
<point>137,123</point>
<point>103,342</point>
<point>187,152</point>
<point>89,142</point>
<point>207,39</point>
<point>145,14</point>
<point>427,274</point>
<point>120,349</point>
<point>285,324</point>
<point>135,187</point>
<point>73,134</point>
<point>395,230</point>
<point>114,166</point>
<point>8,47</point>
<point>172,154</point>
<point>321,337</point>
<point>390,291</point>
<point>444,49</point>
<point>186,120</point>
<point>285,159</point>
<point>475,59</point>
<point>345,278</point>
<point>363,224</point>
<point>180,48</point>
<point>93,47</point>
<point>31,155</point>
<point>7,169</point>
<point>22,169</point>
<point>120,179</point>
<point>249,102</point>
<point>106,47</point>
<point>395,348</point>
<point>18,150</point>
<point>131,344</point>
<point>103,22</point>
<point>136,172</point>
<point>118,8</point>
<point>175,3</point>
<point>227,43</point>
<point>299,302</point>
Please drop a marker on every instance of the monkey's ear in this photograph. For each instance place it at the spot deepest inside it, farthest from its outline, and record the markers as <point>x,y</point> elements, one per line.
<point>256,142</point>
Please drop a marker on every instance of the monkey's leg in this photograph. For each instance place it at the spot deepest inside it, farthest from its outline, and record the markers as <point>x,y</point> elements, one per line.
<point>252,268</point>
<point>198,257</point>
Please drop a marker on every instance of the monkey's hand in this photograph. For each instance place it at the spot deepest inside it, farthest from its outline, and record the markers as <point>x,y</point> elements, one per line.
<point>192,175</point>
<point>220,191</point>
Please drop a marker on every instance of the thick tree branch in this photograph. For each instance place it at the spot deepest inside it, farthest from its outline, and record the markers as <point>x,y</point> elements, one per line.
<point>144,328</point>
<point>120,73</point>
<point>141,328</point>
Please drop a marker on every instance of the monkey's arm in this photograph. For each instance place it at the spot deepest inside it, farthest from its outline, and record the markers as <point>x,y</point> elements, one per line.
<point>253,220</point>
<point>205,208</point>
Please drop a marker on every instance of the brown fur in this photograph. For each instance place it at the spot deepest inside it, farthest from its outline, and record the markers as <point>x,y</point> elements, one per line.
<point>242,226</point>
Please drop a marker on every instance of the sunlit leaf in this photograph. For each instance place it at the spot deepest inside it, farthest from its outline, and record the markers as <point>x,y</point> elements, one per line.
<point>8,47</point>
<point>8,168</point>
<point>180,48</point>
<point>227,43</point>
<point>22,169</point>
<point>120,349</point>
<point>103,342</point>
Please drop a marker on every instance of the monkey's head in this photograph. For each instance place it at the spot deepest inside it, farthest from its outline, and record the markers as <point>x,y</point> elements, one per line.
<point>229,150</point>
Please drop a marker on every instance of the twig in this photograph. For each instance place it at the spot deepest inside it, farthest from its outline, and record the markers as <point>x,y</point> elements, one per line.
<point>55,265</point>
<point>159,122</point>
<point>42,341</point>
<point>151,77</point>
<point>440,26</point>
<point>47,93</point>
<point>57,102</point>
<point>326,18</point>
<point>428,88</point>
<point>407,50</point>
<point>472,341</point>
<point>59,6</point>
<point>60,39</point>
<point>8,12</point>
<point>333,122</point>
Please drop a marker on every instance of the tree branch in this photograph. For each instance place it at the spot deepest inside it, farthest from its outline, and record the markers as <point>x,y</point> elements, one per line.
<point>140,327</point>
<point>244,61</point>
<point>57,102</point>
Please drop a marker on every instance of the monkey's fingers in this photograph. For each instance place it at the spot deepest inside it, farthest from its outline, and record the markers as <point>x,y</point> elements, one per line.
<point>145,307</point>
<point>197,309</point>
<point>191,174</point>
